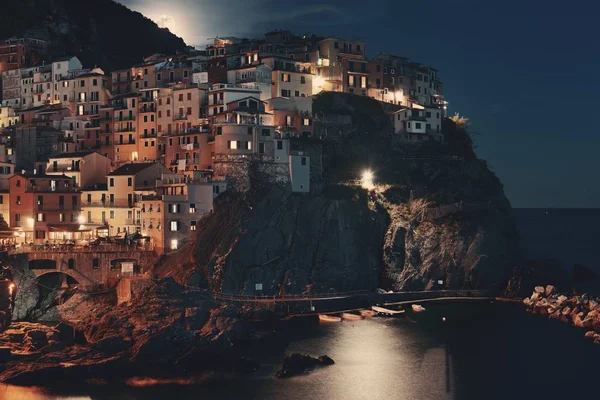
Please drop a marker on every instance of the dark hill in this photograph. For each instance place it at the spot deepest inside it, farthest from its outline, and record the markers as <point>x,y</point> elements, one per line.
<point>101,32</point>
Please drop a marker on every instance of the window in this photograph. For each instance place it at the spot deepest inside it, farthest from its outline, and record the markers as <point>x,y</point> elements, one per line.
<point>61,217</point>
<point>303,161</point>
<point>285,77</point>
<point>111,182</point>
<point>261,148</point>
<point>96,263</point>
<point>174,226</point>
<point>41,217</point>
<point>174,208</point>
<point>266,132</point>
<point>112,214</point>
<point>303,79</point>
<point>232,145</point>
<point>417,125</point>
<point>306,122</point>
<point>192,208</point>
<point>280,145</point>
<point>296,93</point>
<point>174,244</point>
<point>428,114</point>
<point>192,225</point>
<point>286,93</point>
<point>189,95</point>
<point>40,234</point>
<point>250,130</point>
<point>130,180</point>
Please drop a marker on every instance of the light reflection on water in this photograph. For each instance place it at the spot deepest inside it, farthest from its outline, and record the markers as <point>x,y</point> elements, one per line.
<point>481,352</point>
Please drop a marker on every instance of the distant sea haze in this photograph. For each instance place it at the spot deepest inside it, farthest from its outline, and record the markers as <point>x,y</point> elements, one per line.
<point>568,235</point>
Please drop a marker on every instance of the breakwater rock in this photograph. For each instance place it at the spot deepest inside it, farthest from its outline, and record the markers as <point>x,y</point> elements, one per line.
<point>582,311</point>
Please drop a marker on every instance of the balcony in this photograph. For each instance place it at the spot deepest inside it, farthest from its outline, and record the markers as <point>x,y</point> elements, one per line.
<point>108,204</point>
<point>190,146</point>
<point>125,118</point>
<point>147,108</point>
<point>125,129</point>
<point>125,142</point>
<point>180,117</point>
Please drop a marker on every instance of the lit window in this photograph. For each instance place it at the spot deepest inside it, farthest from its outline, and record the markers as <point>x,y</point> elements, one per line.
<point>192,208</point>
<point>174,226</point>
<point>174,244</point>
<point>193,226</point>
<point>40,217</point>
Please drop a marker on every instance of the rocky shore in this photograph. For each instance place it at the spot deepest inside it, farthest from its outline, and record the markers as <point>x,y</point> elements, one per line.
<point>167,327</point>
<point>581,311</point>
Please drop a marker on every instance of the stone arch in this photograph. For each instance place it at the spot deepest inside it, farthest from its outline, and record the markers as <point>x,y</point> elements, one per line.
<point>58,272</point>
<point>43,264</point>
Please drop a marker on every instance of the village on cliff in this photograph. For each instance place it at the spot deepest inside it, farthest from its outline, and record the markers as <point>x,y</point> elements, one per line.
<point>124,164</point>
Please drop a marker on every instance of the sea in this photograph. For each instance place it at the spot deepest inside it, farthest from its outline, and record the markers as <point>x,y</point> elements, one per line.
<point>452,351</point>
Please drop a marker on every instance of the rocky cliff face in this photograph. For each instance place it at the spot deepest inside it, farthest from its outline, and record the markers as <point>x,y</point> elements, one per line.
<point>436,219</point>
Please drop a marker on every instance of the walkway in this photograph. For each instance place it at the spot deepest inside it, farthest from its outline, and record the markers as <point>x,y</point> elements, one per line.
<point>296,306</point>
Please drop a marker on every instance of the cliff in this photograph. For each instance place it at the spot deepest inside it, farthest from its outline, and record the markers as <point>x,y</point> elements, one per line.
<point>101,33</point>
<point>437,213</point>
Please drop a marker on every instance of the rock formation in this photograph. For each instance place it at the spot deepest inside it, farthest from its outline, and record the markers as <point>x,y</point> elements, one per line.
<point>581,311</point>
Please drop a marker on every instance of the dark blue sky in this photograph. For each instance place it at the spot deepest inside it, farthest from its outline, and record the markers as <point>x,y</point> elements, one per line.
<point>525,73</point>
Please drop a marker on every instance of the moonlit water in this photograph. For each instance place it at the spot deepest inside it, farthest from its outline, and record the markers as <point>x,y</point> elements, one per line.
<point>483,351</point>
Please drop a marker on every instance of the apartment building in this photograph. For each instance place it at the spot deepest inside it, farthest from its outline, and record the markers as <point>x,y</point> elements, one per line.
<point>222,94</point>
<point>291,116</point>
<point>171,216</point>
<point>114,205</point>
<point>188,151</point>
<point>45,208</point>
<point>86,168</point>
<point>8,117</point>
<point>420,123</point>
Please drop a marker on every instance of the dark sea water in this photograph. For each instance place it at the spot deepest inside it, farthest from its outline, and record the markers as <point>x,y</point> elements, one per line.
<point>568,235</point>
<point>482,351</point>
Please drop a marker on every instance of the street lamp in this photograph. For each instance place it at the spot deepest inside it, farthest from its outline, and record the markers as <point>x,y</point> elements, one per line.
<point>367,179</point>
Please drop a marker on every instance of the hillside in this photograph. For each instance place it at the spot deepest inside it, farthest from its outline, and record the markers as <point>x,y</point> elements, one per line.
<point>101,33</point>
<point>437,214</point>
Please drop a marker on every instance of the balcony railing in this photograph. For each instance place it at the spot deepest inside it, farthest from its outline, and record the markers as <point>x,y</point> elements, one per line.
<point>125,118</point>
<point>125,142</point>
<point>108,204</point>
<point>125,130</point>
<point>180,117</point>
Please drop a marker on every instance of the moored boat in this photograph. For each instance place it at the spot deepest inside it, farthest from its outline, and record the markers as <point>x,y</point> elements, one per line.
<point>418,308</point>
<point>351,317</point>
<point>329,318</point>
<point>386,311</point>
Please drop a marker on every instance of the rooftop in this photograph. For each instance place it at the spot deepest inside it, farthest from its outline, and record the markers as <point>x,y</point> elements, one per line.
<point>131,169</point>
<point>76,154</point>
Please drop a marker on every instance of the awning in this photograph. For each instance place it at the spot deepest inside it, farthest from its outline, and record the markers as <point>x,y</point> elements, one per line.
<point>69,228</point>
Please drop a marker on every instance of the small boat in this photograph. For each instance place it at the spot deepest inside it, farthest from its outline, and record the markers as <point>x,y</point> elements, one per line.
<point>367,313</point>
<point>418,308</point>
<point>386,311</point>
<point>351,317</point>
<point>329,318</point>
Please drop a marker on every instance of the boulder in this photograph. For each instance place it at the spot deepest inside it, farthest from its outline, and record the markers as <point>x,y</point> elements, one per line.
<point>592,304</point>
<point>539,289</point>
<point>527,301</point>
<point>550,290</point>
<point>590,334</point>
<point>561,299</point>
<point>300,363</point>
<point>535,297</point>
<point>566,311</point>
<point>325,360</point>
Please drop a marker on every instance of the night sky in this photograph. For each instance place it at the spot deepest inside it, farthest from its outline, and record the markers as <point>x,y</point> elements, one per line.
<point>525,73</point>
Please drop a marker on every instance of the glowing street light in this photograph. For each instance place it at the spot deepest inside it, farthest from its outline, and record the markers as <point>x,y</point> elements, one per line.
<point>367,179</point>
<point>81,219</point>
